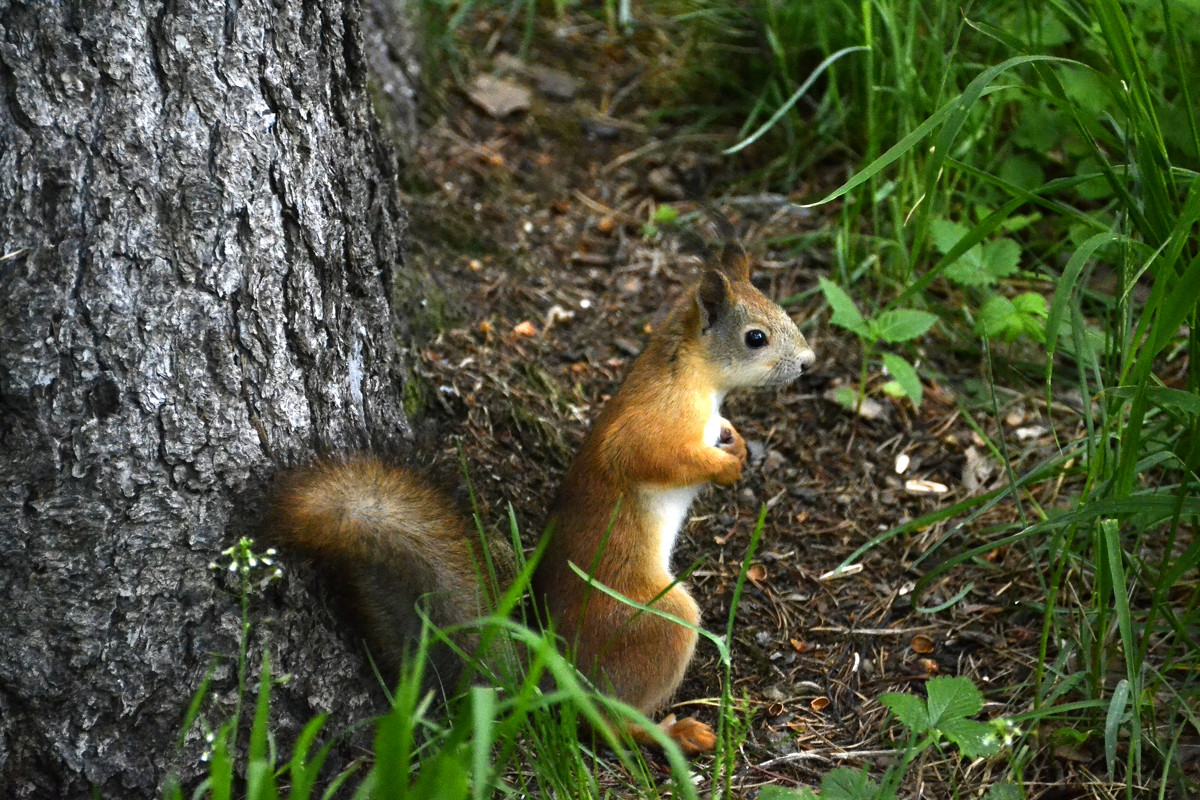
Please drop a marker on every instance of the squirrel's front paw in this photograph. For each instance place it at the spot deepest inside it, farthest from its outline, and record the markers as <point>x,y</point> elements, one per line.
<point>731,442</point>
<point>692,735</point>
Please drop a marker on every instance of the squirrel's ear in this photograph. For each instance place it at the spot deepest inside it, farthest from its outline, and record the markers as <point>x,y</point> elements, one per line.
<point>735,262</point>
<point>712,296</point>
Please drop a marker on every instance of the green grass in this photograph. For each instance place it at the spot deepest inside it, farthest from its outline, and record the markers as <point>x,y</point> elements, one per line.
<point>506,731</point>
<point>1008,144</point>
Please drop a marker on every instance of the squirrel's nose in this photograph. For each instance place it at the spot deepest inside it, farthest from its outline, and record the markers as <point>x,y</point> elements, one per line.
<point>805,355</point>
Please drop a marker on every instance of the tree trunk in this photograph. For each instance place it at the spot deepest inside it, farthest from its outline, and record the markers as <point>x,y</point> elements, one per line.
<point>200,234</point>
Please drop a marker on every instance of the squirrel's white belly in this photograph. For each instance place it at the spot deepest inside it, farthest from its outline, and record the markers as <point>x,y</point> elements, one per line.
<point>669,509</point>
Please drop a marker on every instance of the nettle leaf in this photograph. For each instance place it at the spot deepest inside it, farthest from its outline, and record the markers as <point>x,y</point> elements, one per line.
<point>946,234</point>
<point>1030,303</point>
<point>845,313</point>
<point>982,264</point>
<point>952,698</point>
<point>974,739</point>
<point>1000,258</point>
<point>845,783</point>
<point>1024,315</point>
<point>905,376</point>
<point>996,317</point>
<point>901,324</point>
<point>910,710</point>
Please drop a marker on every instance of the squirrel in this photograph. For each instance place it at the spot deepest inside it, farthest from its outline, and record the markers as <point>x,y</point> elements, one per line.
<point>391,538</point>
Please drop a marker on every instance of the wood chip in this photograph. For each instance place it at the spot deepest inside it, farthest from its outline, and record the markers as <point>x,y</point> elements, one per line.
<point>842,572</point>
<point>922,486</point>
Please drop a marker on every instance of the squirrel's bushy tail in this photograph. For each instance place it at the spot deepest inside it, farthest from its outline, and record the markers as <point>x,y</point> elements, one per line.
<point>392,540</point>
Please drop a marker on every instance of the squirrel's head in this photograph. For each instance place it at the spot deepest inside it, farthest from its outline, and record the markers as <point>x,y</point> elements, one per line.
<point>750,341</point>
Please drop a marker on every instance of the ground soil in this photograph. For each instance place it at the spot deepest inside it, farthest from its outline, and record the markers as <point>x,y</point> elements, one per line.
<point>544,281</point>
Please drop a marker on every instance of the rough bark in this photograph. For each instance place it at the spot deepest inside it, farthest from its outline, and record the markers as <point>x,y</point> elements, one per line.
<point>200,234</point>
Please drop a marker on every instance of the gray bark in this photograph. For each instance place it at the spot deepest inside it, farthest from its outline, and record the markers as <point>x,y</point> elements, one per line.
<point>201,233</point>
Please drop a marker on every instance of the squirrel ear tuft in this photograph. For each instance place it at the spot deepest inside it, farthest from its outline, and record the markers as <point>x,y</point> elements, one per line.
<point>735,262</point>
<point>712,296</point>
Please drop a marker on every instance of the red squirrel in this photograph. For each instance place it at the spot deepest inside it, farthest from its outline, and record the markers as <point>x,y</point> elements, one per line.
<point>392,539</point>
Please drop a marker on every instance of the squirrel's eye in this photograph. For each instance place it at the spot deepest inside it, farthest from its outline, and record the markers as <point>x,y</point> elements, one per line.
<point>755,339</point>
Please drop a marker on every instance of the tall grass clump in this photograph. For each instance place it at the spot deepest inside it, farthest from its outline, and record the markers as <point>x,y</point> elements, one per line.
<point>1055,143</point>
<point>523,722</point>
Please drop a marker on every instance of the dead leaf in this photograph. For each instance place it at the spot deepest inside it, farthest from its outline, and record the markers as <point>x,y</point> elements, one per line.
<point>798,645</point>
<point>922,644</point>
<point>526,328</point>
<point>497,96</point>
<point>976,470</point>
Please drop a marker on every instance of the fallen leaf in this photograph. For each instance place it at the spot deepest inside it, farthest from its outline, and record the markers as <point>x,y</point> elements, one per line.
<point>976,470</point>
<point>497,96</point>
<point>798,645</point>
<point>922,644</point>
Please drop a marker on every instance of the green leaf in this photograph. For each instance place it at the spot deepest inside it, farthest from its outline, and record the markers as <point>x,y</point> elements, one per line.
<point>665,215</point>
<point>996,317</point>
<point>901,324</point>
<point>974,739</point>
<point>952,698</point>
<point>905,376</point>
<point>846,397</point>
<point>845,783</point>
<point>1030,303</point>
<point>1005,790</point>
<point>893,389</point>
<point>1022,171</point>
<point>910,710</point>
<point>1001,257</point>
<point>946,234</point>
<point>845,313</point>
